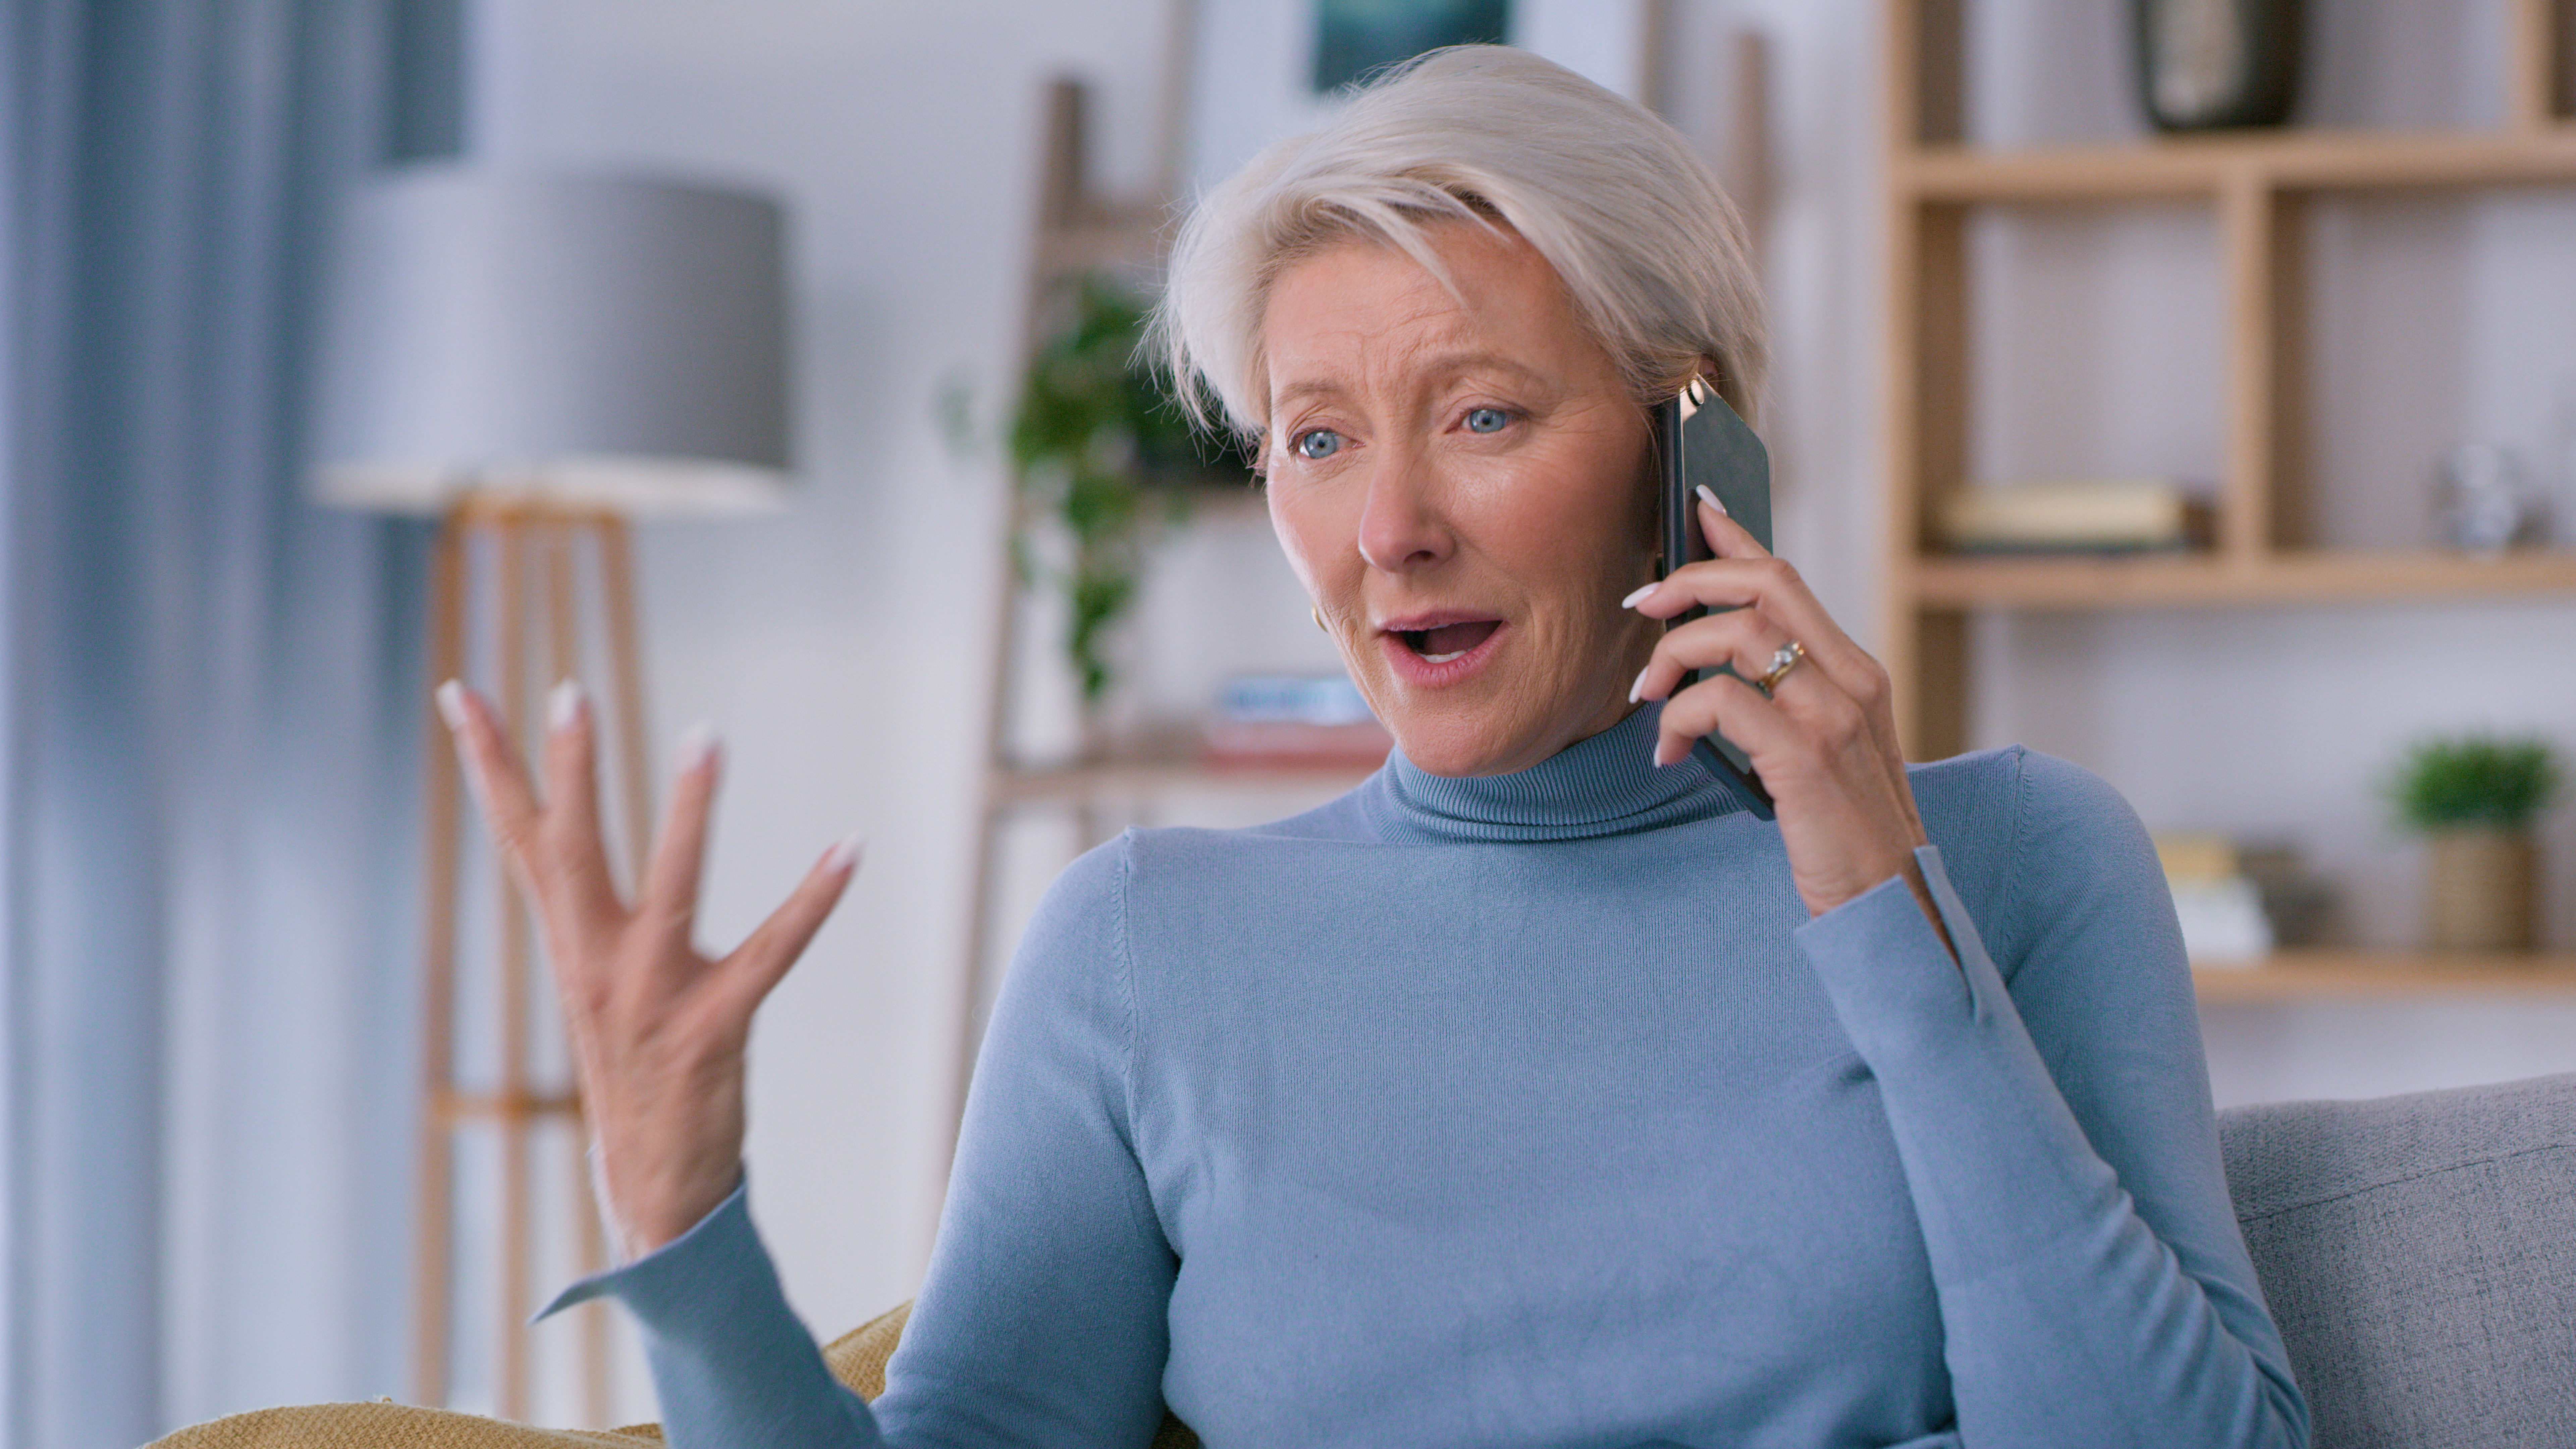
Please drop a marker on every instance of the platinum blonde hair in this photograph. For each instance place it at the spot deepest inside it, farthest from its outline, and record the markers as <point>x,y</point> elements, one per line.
<point>1634,223</point>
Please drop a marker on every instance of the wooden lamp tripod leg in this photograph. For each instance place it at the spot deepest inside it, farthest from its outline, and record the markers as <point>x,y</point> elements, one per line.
<point>431,1266</point>
<point>511,1402</point>
<point>536,636</point>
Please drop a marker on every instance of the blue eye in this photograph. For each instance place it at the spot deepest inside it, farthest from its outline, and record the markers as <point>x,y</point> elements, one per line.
<point>1486,420</point>
<point>1321,443</point>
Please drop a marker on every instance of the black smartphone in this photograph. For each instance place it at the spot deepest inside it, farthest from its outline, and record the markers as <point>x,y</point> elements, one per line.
<point>1703,442</point>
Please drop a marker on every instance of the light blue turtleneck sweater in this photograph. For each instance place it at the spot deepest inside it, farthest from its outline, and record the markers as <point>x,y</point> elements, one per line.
<point>1534,1110</point>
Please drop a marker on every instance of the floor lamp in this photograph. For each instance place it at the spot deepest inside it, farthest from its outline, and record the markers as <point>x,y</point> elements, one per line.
<point>536,359</point>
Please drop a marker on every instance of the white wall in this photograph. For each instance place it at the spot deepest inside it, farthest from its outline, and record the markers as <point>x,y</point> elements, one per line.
<point>842,648</point>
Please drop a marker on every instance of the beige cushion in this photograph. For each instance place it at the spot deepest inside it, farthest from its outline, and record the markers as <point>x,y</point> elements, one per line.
<point>857,1358</point>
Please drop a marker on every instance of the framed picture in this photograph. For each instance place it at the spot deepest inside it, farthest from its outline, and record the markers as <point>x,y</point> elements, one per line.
<point>1263,69</point>
<point>1355,38</point>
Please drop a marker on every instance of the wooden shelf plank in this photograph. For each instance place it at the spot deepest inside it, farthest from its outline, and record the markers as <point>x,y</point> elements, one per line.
<point>2293,159</point>
<point>1073,783</point>
<point>2209,580</point>
<point>2325,975</point>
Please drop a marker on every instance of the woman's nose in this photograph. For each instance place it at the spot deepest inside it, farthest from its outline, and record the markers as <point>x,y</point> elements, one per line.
<point>1401,527</point>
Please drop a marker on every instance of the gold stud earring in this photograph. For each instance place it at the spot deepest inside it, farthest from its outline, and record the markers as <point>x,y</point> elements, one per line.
<point>1317,614</point>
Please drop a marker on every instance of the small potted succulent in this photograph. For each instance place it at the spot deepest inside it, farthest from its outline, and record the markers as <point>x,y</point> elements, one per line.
<point>2474,798</point>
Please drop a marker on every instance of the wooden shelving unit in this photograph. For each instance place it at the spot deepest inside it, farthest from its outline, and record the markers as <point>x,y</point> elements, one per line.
<point>2255,183</point>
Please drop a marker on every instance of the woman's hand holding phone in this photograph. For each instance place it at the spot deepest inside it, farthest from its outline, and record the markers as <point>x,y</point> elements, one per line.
<point>659,1029</point>
<point>1824,742</point>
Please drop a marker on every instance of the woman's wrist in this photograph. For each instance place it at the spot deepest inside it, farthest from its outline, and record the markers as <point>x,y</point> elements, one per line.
<point>643,1217</point>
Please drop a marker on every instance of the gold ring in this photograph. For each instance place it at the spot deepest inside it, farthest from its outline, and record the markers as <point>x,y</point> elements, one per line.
<point>1783,659</point>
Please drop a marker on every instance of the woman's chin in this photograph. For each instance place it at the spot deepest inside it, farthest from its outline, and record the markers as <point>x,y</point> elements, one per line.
<point>1459,742</point>
<point>1491,729</point>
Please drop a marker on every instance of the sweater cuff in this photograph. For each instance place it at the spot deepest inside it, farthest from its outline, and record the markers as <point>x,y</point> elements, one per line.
<point>725,1348</point>
<point>1977,1118</point>
<point>1886,968</point>
<point>717,1236</point>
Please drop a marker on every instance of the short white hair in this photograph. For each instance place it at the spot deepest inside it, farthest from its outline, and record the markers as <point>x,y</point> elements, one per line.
<point>1648,246</point>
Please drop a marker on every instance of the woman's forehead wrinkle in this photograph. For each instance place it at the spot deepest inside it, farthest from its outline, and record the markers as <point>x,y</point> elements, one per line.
<point>1338,361</point>
<point>1373,322</point>
<point>1375,358</point>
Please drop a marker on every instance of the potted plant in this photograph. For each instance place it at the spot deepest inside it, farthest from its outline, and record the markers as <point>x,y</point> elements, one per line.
<point>2473,798</point>
<point>1102,453</point>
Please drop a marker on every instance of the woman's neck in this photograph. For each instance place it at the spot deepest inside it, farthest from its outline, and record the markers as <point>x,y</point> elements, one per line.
<point>1605,783</point>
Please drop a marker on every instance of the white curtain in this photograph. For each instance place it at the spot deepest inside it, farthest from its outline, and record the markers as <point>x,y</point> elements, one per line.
<point>209,722</point>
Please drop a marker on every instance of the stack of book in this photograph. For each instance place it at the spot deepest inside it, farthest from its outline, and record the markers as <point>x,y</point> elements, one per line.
<point>1294,720</point>
<point>2220,907</point>
<point>2075,515</point>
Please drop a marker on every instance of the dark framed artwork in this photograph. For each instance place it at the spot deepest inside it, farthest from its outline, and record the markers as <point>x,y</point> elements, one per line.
<point>1356,37</point>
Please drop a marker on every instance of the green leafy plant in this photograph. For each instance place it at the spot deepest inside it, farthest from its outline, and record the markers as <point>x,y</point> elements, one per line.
<point>2473,782</point>
<point>1099,446</point>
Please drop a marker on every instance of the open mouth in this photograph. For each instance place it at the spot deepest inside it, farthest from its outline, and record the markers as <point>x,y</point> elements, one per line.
<point>1449,641</point>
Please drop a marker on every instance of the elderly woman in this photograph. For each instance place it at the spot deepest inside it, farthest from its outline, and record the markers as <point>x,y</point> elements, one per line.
<point>1536,1092</point>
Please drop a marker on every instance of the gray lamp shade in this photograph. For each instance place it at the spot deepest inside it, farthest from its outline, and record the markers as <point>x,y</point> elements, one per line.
<point>585,341</point>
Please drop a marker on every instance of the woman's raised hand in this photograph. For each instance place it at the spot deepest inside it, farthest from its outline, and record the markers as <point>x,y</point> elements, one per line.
<point>658,1028</point>
<point>1824,741</point>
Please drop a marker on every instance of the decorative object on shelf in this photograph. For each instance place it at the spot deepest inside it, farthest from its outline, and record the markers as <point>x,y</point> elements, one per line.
<point>2482,503</point>
<point>2076,515</point>
<point>2304,908</point>
<point>1270,720</point>
<point>1101,451</point>
<point>2207,65</point>
<point>2474,799</point>
<point>2221,910</point>
<point>537,358</point>
<point>1356,37</point>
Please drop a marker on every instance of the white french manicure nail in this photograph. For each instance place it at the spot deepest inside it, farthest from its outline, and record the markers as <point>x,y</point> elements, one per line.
<point>563,704</point>
<point>698,745</point>
<point>1639,687</point>
<point>451,704</point>
<point>844,852</point>
<point>1631,601</point>
<point>1709,498</point>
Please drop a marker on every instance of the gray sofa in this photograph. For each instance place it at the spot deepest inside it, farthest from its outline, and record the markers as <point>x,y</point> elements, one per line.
<point>2419,1253</point>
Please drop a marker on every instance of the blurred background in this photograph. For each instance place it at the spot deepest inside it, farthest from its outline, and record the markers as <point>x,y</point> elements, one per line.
<point>2239,467</point>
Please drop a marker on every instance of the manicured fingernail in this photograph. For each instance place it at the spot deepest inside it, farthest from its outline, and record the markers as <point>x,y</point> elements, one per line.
<point>451,704</point>
<point>698,745</point>
<point>563,704</point>
<point>1632,600</point>
<point>1709,498</point>
<point>844,853</point>
<point>1639,687</point>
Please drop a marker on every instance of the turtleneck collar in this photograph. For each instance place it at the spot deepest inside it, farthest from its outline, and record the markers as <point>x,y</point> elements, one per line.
<point>1605,785</point>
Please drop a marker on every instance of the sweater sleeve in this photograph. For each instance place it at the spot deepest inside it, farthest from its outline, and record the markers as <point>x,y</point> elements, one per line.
<point>2059,1143</point>
<point>731,1362</point>
<point>1042,1320</point>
